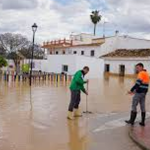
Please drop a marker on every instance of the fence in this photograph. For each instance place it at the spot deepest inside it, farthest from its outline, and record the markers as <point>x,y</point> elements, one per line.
<point>13,77</point>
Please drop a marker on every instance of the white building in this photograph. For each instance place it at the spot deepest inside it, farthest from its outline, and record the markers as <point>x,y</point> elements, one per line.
<point>84,49</point>
<point>71,63</point>
<point>122,62</point>
<point>90,46</point>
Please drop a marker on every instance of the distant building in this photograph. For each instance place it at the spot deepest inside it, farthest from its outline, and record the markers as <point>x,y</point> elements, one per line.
<point>115,54</point>
<point>83,44</point>
<point>88,45</point>
<point>122,62</point>
<point>85,49</point>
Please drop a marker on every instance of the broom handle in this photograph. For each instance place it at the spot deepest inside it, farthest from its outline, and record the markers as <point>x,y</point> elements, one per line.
<point>87,97</point>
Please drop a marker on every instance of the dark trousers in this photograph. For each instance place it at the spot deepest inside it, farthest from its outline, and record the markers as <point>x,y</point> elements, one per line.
<point>75,100</point>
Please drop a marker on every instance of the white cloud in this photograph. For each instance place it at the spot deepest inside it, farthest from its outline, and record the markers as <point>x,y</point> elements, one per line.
<point>58,20</point>
<point>131,16</point>
<point>18,4</point>
<point>53,19</point>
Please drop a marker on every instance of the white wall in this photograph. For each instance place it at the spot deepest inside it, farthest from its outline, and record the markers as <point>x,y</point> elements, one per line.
<point>125,42</point>
<point>39,64</point>
<point>82,38</point>
<point>122,42</point>
<point>55,62</point>
<point>96,66</point>
<point>109,45</point>
<point>74,62</point>
<point>87,50</point>
<point>129,64</point>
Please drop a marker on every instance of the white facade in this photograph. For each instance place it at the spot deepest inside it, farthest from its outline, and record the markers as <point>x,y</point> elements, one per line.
<point>129,63</point>
<point>55,64</point>
<point>78,54</point>
<point>106,45</point>
<point>122,42</point>
<point>78,49</point>
<point>38,64</point>
<point>81,38</point>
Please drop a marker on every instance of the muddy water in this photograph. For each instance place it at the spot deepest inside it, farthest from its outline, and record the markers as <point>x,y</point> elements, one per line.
<point>35,119</point>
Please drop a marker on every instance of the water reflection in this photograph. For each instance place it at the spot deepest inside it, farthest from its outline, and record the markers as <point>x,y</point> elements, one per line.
<point>76,139</point>
<point>31,106</point>
<point>40,113</point>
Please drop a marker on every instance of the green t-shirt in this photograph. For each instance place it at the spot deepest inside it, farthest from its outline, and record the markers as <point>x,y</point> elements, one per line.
<point>77,82</point>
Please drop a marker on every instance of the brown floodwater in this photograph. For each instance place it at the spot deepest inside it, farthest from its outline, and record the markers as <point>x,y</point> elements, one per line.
<point>35,119</point>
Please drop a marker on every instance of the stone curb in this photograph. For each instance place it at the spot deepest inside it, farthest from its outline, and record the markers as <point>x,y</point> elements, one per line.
<point>138,142</point>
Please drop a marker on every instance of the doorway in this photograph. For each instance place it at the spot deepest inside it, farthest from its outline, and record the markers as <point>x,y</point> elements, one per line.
<point>122,70</point>
<point>107,68</point>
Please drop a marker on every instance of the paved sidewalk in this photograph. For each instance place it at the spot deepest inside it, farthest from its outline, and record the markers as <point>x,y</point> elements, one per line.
<point>141,135</point>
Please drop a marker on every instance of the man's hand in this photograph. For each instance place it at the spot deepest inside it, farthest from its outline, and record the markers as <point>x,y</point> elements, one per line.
<point>87,81</point>
<point>131,93</point>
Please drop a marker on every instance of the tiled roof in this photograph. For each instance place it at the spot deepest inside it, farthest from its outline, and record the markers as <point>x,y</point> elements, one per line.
<point>129,53</point>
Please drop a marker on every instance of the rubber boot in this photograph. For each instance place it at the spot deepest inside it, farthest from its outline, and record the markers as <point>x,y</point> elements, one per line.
<point>77,113</point>
<point>143,116</point>
<point>70,115</point>
<point>132,118</point>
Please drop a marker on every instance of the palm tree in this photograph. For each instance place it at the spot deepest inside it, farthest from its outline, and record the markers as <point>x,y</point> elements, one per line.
<point>95,18</point>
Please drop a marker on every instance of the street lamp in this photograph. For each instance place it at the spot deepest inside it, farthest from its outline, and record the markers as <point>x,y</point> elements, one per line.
<point>34,29</point>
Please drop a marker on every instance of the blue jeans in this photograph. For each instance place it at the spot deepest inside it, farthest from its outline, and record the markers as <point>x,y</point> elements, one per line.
<point>139,98</point>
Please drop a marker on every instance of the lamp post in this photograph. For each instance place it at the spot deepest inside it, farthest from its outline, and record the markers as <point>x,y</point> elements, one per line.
<point>34,29</point>
<point>104,29</point>
<point>104,26</point>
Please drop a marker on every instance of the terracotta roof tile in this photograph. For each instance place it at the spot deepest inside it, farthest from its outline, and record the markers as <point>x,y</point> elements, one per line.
<point>129,53</point>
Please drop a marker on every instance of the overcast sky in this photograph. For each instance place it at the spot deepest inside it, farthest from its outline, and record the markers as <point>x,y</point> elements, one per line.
<point>59,18</point>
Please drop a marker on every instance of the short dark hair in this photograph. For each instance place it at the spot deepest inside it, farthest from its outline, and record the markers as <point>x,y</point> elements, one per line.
<point>86,68</point>
<point>140,64</point>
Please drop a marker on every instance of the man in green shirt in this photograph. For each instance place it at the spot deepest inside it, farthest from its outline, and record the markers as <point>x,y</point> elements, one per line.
<point>77,85</point>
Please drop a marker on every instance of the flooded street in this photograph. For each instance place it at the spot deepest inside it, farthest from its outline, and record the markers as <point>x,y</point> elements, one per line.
<point>35,119</point>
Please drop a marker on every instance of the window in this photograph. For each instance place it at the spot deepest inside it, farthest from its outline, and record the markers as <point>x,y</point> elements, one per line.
<point>92,53</point>
<point>82,52</point>
<point>65,68</point>
<point>75,52</point>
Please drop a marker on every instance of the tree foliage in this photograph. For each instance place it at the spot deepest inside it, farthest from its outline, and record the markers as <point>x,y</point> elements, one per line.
<point>13,42</point>
<point>3,62</point>
<point>17,47</point>
<point>37,54</point>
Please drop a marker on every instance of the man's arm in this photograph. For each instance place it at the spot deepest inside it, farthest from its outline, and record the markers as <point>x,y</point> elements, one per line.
<point>84,90</point>
<point>79,79</point>
<point>136,86</point>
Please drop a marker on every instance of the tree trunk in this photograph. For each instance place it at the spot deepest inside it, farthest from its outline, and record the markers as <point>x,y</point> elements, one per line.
<point>94,29</point>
